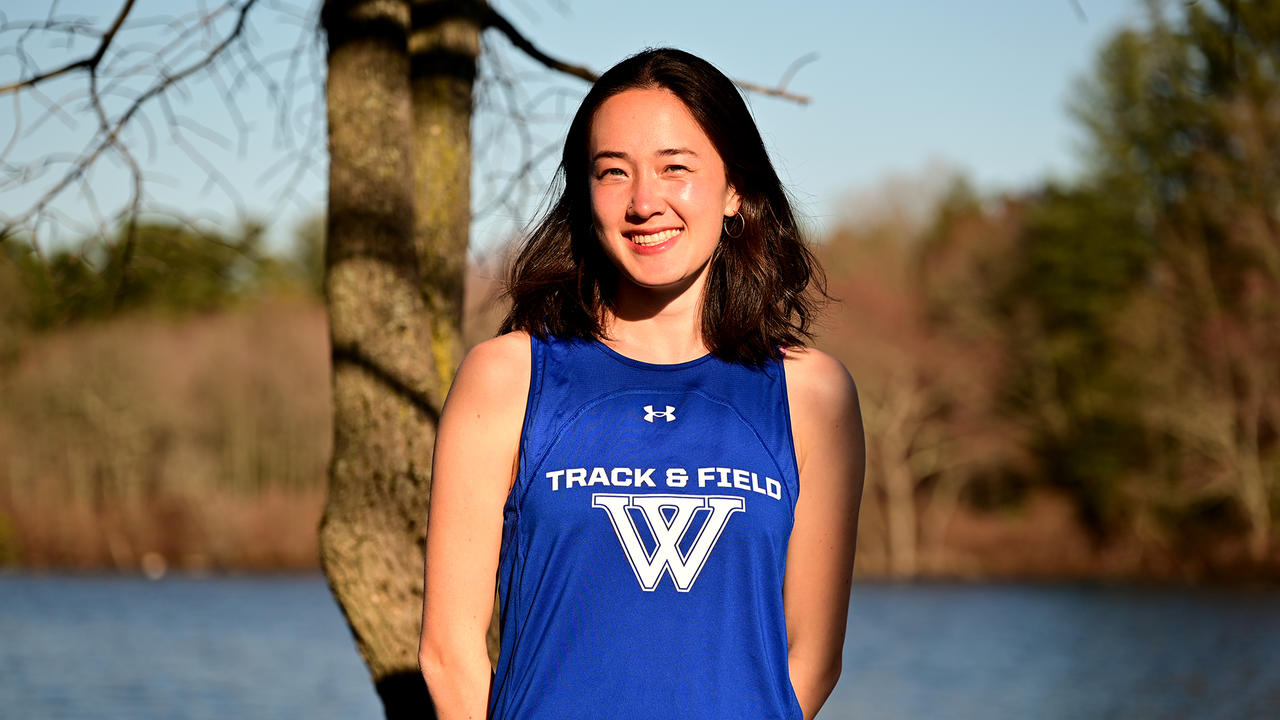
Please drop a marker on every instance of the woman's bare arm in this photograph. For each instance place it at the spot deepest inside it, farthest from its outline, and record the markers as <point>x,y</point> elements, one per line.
<point>472,472</point>
<point>830,450</point>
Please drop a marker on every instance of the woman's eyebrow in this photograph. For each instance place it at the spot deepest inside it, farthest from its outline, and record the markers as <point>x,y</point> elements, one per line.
<point>610,154</point>
<point>619,155</point>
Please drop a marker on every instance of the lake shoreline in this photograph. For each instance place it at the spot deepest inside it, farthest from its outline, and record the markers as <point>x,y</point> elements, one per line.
<point>1041,543</point>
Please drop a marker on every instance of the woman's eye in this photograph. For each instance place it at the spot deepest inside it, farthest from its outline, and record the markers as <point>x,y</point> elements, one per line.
<point>677,168</point>
<point>611,172</point>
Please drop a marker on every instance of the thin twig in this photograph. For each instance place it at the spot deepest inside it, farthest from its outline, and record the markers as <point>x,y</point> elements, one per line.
<point>1075,4</point>
<point>109,134</point>
<point>491,18</point>
<point>88,63</point>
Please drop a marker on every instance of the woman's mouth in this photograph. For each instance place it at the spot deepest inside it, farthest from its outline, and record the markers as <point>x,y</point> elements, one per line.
<point>650,239</point>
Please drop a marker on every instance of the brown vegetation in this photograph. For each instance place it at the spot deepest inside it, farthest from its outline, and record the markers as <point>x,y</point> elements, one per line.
<point>928,393</point>
<point>979,456</point>
<point>202,441</point>
<point>149,442</point>
<point>197,442</point>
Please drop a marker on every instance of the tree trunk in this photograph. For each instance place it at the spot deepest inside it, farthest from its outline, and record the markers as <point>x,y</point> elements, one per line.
<point>901,421</point>
<point>1255,495</point>
<point>900,501</point>
<point>443,47</point>
<point>396,249</point>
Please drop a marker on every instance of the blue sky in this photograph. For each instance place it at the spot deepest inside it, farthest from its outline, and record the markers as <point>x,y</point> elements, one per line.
<point>899,89</point>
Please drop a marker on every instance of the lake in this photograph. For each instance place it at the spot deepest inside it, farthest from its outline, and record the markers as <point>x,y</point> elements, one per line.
<point>89,647</point>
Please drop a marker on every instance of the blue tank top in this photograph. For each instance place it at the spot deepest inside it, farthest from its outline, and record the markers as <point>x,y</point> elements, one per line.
<point>644,542</point>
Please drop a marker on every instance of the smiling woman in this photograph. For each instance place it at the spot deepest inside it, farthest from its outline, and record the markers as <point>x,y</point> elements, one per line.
<point>662,479</point>
<point>763,288</point>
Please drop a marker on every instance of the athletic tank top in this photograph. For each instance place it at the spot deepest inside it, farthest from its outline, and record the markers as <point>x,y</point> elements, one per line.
<point>644,542</point>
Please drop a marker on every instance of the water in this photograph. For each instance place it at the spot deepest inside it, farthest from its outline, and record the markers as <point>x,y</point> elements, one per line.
<point>1048,652</point>
<point>107,647</point>
<point>125,648</point>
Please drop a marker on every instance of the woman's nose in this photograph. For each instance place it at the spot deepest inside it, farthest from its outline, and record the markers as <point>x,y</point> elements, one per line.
<point>646,200</point>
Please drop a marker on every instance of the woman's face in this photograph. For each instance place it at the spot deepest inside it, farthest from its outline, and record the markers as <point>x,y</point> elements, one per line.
<point>659,194</point>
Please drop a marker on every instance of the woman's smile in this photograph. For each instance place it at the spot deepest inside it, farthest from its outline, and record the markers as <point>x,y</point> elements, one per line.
<point>653,241</point>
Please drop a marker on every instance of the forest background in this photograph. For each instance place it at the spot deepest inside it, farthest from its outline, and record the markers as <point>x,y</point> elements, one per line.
<point>1074,380</point>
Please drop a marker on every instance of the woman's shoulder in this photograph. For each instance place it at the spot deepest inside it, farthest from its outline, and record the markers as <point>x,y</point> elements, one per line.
<point>822,397</point>
<point>501,350</point>
<point>496,370</point>
<point>826,421</point>
<point>817,379</point>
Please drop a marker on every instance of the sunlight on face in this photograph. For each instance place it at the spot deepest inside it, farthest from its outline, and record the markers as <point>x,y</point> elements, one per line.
<point>659,194</point>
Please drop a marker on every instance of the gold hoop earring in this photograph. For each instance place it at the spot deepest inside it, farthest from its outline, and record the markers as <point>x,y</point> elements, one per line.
<point>742,225</point>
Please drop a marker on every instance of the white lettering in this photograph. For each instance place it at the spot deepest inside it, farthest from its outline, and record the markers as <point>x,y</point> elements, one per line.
<point>773,488</point>
<point>736,478</point>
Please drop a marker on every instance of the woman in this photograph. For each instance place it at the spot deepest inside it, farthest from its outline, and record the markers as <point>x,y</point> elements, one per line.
<point>663,481</point>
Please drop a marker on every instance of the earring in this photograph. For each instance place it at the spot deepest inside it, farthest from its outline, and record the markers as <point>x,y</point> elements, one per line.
<point>742,225</point>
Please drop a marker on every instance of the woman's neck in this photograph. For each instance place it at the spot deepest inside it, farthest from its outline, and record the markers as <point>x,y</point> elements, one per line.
<point>651,327</point>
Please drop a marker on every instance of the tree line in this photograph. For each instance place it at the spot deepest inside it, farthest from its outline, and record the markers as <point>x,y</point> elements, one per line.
<point>1114,338</point>
<point>174,266</point>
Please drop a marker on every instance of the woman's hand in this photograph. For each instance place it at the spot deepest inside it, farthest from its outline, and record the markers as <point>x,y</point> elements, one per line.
<point>472,472</point>
<point>830,451</point>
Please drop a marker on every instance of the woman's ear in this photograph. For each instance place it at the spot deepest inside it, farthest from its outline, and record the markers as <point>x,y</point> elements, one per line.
<point>733,203</point>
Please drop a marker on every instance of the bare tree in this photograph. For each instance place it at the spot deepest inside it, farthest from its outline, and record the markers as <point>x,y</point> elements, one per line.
<point>930,366</point>
<point>132,78</point>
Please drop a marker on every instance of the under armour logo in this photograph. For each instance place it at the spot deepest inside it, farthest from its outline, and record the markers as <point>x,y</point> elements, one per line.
<point>650,413</point>
<point>668,530</point>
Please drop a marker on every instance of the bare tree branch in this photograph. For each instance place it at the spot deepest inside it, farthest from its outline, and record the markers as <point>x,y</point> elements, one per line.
<point>791,71</point>
<point>491,18</point>
<point>1075,5</point>
<point>89,63</point>
<point>109,130</point>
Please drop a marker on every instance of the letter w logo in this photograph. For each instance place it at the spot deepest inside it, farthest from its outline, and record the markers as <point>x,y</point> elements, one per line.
<point>668,535</point>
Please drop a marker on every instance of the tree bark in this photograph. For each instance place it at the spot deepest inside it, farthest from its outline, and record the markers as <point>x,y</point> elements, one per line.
<point>396,248</point>
<point>443,45</point>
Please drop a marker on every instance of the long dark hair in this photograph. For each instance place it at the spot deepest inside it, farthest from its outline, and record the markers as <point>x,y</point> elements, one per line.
<point>763,286</point>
